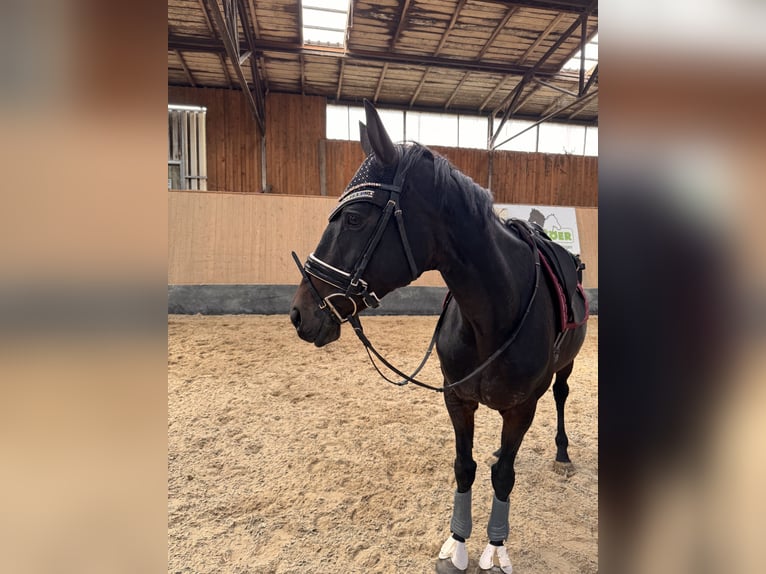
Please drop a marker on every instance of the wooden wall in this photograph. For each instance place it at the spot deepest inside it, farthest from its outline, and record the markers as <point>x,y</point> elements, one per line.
<point>517,177</point>
<point>230,238</point>
<point>295,128</point>
<point>233,139</point>
<point>545,179</point>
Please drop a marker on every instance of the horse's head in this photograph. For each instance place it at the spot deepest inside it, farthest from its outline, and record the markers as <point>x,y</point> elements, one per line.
<point>376,239</point>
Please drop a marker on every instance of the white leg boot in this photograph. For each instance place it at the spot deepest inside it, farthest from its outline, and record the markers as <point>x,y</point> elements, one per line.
<point>456,552</point>
<point>491,553</point>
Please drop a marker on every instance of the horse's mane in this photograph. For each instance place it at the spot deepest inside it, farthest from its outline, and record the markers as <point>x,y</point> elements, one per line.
<point>453,183</point>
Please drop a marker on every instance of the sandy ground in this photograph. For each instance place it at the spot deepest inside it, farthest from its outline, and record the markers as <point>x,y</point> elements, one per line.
<point>287,458</point>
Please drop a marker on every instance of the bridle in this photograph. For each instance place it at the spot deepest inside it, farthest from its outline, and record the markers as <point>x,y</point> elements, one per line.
<point>350,284</point>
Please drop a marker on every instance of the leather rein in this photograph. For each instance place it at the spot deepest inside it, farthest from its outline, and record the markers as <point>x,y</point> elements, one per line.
<point>350,283</point>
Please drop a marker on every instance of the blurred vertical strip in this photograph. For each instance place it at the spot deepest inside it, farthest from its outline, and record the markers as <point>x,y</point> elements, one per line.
<point>682,286</point>
<point>83,286</point>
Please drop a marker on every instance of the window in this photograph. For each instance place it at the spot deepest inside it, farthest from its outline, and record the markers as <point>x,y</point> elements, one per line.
<point>561,138</point>
<point>472,132</point>
<point>526,141</point>
<point>591,57</point>
<point>187,150</point>
<point>591,140</point>
<point>453,130</point>
<point>324,22</point>
<point>432,129</point>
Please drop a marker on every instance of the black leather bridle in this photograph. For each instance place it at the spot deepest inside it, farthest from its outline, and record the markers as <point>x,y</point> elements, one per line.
<point>350,284</point>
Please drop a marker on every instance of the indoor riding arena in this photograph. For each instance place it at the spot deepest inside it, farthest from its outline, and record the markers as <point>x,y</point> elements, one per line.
<point>285,457</point>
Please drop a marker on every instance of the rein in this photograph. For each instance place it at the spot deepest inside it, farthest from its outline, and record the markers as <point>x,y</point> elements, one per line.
<point>357,325</point>
<point>352,285</point>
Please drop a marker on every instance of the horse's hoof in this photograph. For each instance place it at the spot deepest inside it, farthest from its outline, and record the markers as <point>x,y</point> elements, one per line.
<point>565,469</point>
<point>445,566</point>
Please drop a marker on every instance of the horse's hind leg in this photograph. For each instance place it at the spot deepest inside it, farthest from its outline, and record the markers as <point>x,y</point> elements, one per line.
<point>560,394</point>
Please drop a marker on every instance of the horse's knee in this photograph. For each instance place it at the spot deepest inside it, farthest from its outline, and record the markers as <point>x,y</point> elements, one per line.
<point>465,473</point>
<point>503,479</point>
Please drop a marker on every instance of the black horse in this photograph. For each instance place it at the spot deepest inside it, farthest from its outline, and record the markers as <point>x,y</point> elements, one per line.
<point>499,340</point>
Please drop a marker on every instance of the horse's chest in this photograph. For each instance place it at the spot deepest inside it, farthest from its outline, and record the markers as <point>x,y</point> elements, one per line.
<point>506,381</point>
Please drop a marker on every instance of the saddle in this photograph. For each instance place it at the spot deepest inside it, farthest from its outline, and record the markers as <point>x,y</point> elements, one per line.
<point>563,271</point>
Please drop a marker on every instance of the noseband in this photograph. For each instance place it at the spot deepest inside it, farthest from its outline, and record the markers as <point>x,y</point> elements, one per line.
<point>350,284</point>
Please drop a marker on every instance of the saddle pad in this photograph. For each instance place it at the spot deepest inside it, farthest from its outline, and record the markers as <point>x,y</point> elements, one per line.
<point>564,272</point>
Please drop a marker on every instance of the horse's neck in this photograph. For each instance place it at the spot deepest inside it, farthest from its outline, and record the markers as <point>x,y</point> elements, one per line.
<point>488,275</point>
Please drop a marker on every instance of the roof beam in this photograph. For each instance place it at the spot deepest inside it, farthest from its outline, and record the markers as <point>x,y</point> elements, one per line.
<point>225,69</point>
<point>591,79</point>
<point>556,104</point>
<point>250,40</point>
<point>400,26</point>
<point>380,83</point>
<point>492,93</point>
<point>195,44</point>
<point>457,89</point>
<point>581,100</point>
<point>186,69</point>
<point>454,93</point>
<point>499,28</point>
<point>528,75</point>
<point>420,87</point>
<point>233,52</point>
<point>213,33</point>
<point>583,41</point>
<point>450,26</point>
<point>543,35</point>
<point>554,87</point>
<point>568,6</point>
<point>340,79</point>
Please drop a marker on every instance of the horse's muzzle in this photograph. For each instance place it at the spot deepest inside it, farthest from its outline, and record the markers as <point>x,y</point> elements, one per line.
<point>311,324</point>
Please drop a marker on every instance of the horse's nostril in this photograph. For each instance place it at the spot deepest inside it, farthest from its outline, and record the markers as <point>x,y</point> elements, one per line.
<point>295,317</point>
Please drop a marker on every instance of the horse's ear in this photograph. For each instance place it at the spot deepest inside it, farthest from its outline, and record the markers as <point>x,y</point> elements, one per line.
<point>379,140</point>
<point>364,138</point>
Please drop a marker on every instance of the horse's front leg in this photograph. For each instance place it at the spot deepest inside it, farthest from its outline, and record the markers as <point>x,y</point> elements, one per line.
<point>453,556</point>
<point>516,422</point>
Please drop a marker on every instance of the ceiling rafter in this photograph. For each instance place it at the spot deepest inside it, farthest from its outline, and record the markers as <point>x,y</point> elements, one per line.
<point>546,117</point>
<point>541,38</point>
<point>380,83</point>
<point>493,92</point>
<point>499,28</point>
<point>257,31</point>
<point>516,93</point>
<point>186,68</point>
<point>556,103</point>
<point>450,26</point>
<point>211,28</point>
<point>195,44</point>
<point>340,79</point>
<point>455,91</point>
<point>233,52</point>
<point>250,41</point>
<point>420,87</point>
<point>400,25</point>
<point>568,6</point>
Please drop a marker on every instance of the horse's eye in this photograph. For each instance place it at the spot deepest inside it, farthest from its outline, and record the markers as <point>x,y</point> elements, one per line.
<point>353,219</point>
